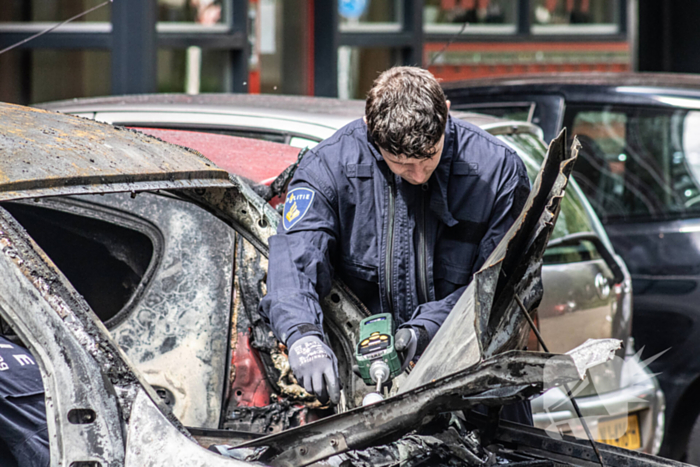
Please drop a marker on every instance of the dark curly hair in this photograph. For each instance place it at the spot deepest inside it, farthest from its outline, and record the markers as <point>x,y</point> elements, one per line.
<point>406,112</point>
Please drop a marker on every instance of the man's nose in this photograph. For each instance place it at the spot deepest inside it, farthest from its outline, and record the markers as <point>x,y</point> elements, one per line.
<point>418,176</point>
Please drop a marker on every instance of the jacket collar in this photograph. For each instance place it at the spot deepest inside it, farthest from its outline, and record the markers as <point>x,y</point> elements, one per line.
<point>372,146</point>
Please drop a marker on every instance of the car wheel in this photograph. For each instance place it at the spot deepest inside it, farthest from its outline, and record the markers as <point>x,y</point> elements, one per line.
<point>692,454</point>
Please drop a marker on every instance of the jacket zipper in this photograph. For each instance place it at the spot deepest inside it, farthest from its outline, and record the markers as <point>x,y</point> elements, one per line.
<point>390,245</point>
<point>422,250</point>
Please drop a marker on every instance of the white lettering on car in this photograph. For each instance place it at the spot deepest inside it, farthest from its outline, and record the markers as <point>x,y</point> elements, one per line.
<point>24,359</point>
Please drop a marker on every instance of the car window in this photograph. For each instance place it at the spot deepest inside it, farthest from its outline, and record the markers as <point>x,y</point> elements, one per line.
<point>272,136</point>
<point>573,216</point>
<point>81,245</point>
<point>301,142</point>
<point>520,111</point>
<point>275,137</point>
<point>638,163</point>
<point>262,135</point>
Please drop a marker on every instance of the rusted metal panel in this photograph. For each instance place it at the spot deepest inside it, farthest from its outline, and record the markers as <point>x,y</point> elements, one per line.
<point>44,153</point>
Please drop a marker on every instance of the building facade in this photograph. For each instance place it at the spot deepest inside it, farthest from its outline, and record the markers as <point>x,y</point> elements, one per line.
<point>314,47</point>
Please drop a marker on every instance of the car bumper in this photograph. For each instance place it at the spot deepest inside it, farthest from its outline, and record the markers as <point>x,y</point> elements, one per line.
<point>641,396</point>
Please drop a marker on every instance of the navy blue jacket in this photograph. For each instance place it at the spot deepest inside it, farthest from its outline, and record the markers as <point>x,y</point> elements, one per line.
<point>24,440</point>
<point>409,250</point>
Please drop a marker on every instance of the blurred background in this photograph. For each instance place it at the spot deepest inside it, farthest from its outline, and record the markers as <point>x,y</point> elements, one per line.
<point>327,47</point>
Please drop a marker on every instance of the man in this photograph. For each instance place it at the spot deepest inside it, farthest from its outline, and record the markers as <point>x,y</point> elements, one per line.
<point>404,206</point>
<point>24,439</point>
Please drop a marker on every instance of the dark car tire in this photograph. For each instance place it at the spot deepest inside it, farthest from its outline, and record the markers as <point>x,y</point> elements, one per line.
<point>692,454</point>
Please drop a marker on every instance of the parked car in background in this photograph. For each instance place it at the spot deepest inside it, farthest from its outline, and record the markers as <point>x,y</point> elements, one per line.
<point>142,210</point>
<point>293,120</point>
<point>639,167</point>
<point>584,297</point>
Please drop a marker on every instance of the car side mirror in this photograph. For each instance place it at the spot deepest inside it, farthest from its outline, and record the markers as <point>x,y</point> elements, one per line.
<point>605,253</point>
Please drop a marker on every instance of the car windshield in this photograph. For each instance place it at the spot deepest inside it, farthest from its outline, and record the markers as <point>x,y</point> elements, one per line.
<point>638,163</point>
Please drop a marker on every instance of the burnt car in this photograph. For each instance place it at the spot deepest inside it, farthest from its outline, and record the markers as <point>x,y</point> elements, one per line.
<point>583,297</point>
<point>638,166</point>
<point>101,410</point>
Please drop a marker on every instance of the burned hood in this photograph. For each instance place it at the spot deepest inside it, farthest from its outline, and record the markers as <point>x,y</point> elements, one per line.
<point>44,153</point>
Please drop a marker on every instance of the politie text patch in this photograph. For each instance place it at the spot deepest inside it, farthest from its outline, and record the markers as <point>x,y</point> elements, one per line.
<point>295,206</point>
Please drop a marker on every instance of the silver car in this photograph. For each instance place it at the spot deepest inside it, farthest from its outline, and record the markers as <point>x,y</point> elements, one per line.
<point>587,286</point>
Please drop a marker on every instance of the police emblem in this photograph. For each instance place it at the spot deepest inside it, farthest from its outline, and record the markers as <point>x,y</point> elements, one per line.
<point>295,206</point>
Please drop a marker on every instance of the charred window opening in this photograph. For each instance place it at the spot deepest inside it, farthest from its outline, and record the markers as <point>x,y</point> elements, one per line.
<point>104,261</point>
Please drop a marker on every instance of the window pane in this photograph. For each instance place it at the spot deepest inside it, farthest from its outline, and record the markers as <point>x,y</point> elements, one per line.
<point>104,262</point>
<point>33,76</point>
<point>583,251</point>
<point>52,11</point>
<point>639,163</point>
<point>204,12</point>
<point>359,67</point>
<point>483,16</point>
<point>370,15</point>
<point>574,16</point>
<point>193,70</point>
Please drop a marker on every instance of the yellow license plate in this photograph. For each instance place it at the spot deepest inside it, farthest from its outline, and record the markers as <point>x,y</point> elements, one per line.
<point>622,432</point>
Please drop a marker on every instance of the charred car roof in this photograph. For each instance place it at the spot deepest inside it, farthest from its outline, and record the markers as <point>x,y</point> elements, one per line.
<point>46,154</point>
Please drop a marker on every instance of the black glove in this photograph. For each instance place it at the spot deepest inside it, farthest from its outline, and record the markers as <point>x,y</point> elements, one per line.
<point>312,362</point>
<point>406,343</point>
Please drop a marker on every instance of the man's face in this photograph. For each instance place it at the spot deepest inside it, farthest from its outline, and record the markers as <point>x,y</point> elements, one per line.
<point>414,171</point>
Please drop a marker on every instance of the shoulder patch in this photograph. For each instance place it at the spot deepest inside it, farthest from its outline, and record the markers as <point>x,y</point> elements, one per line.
<point>296,204</point>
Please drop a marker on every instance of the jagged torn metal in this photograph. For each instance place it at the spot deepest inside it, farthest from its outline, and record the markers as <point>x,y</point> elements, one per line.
<point>503,379</point>
<point>593,352</point>
<point>486,320</point>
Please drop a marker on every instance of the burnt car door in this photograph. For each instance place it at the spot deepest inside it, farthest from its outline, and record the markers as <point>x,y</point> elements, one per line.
<point>158,271</point>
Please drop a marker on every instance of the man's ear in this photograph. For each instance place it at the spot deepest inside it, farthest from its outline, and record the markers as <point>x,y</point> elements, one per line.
<point>447,101</point>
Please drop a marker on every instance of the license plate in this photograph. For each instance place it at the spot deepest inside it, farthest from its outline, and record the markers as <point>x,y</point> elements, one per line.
<point>622,432</point>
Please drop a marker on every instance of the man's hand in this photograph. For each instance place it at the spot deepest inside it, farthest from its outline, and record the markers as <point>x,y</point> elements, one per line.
<point>316,368</point>
<point>406,343</point>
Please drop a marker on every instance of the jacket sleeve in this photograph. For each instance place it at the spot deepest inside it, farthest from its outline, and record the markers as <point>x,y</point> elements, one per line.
<point>300,270</point>
<point>512,194</point>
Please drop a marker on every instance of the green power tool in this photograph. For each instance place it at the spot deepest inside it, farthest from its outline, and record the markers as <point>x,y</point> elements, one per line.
<point>375,354</point>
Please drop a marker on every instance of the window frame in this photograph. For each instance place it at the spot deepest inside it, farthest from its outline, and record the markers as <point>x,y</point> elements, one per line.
<point>632,109</point>
<point>78,207</point>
